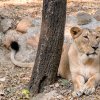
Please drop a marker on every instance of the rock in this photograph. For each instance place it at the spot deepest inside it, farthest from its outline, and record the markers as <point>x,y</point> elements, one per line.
<point>33,41</point>
<point>6,24</point>
<point>53,95</point>
<point>91,25</point>
<point>33,34</point>
<point>11,35</point>
<point>56,85</point>
<point>71,21</point>
<point>36,21</point>
<point>38,97</point>
<point>2,79</point>
<point>33,31</point>
<point>97,15</point>
<point>1,28</point>
<point>24,24</point>
<point>1,38</point>
<point>83,18</point>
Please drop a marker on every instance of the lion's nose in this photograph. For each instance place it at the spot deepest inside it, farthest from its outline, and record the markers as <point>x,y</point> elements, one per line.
<point>95,47</point>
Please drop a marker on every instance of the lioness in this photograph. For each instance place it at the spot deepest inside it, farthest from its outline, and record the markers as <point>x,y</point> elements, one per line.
<point>14,49</point>
<point>81,59</point>
<point>84,60</point>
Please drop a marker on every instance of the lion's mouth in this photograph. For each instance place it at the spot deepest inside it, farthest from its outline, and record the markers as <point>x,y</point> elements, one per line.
<point>94,53</point>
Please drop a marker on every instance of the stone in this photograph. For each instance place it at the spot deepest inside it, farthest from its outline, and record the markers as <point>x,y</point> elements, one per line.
<point>83,18</point>
<point>33,34</point>
<point>33,31</point>
<point>1,38</point>
<point>33,41</point>
<point>36,21</point>
<point>97,15</point>
<point>38,97</point>
<point>24,24</point>
<point>53,95</point>
<point>2,79</point>
<point>56,85</point>
<point>6,24</point>
<point>1,28</point>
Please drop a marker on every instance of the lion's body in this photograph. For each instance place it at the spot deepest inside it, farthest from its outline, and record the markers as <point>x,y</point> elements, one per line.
<point>80,60</point>
<point>14,49</point>
<point>83,59</point>
<point>63,69</point>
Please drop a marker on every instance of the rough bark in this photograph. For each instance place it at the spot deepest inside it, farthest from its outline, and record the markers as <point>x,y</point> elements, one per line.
<point>50,45</point>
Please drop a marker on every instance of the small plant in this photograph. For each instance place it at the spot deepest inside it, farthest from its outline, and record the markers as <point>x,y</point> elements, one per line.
<point>63,82</point>
<point>26,93</point>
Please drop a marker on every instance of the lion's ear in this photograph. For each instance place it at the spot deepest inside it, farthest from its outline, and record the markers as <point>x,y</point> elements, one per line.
<point>75,32</point>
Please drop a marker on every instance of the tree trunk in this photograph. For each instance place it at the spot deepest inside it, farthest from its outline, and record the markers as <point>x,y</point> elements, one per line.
<point>50,45</point>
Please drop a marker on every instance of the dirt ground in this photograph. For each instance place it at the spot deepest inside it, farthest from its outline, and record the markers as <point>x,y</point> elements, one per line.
<point>13,79</point>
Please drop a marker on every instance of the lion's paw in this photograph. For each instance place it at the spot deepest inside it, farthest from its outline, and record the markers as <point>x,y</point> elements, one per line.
<point>77,93</point>
<point>88,90</point>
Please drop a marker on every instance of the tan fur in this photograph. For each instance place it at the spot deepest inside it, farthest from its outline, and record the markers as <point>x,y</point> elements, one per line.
<point>33,41</point>
<point>13,35</point>
<point>10,36</point>
<point>63,69</point>
<point>78,60</point>
<point>84,60</point>
<point>18,63</point>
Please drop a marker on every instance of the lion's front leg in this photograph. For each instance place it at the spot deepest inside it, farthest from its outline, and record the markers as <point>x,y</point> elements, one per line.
<point>90,85</point>
<point>78,82</point>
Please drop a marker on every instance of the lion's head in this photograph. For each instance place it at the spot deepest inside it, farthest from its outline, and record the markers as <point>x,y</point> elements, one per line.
<point>87,41</point>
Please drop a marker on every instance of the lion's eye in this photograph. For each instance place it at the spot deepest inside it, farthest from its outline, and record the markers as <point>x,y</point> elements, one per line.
<point>86,37</point>
<point>97,37</point>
